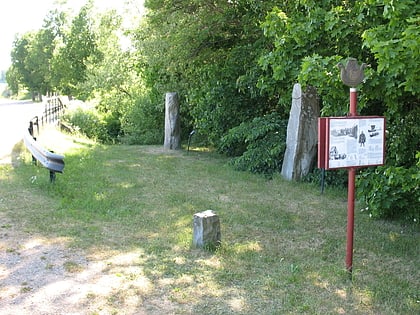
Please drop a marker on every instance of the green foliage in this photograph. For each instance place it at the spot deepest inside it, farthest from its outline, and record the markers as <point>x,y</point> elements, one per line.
<point>391,192</point>
<point>12,78</point>
<point>101,127</point>
<point>332,178</point>
<point>143,122</point>
<point>207,52</point>
<point>54,58</point>
<point>403,140</point>
<point>308,39</point>
<point>79,50</point>
<point>32,56</point>
<point>25,62</point>
<point>319,71</point>
<point>257,146</point>
<point>395,44</point>
<point>109,79</point>
<point>311,37</point>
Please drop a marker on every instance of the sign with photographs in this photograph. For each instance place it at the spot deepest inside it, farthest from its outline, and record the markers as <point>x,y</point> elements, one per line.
<point>351,142</point>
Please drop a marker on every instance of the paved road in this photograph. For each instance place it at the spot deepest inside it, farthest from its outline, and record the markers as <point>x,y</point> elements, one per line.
<point>14,120</point>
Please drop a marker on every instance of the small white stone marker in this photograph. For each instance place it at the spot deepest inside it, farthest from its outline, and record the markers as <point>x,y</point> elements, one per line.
<point>206,229</point>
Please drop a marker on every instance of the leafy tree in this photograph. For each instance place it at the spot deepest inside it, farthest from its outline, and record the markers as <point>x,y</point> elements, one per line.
<point>395,44</point>
<point>18,56</point>
<point>114,73</point>
<point>26,62</point>
<point>122,109</point>
<point>308,39</point>
<point>116,85</point>
<point>12,79</point>
<point>49,38</point>
<point>207,51</point>
<point>79,49</point>
<point>32,54</point>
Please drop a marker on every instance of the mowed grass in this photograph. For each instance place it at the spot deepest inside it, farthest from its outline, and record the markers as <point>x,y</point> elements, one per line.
<point>283,243</point>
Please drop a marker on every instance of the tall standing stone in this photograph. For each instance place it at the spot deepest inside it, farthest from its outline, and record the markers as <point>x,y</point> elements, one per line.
<point>302,134</point>
<point>172,122</point>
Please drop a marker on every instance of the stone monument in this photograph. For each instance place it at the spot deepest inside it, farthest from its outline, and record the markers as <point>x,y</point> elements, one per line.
<point>172,122</point>
<point>206,230</point>
<point>302,134</point>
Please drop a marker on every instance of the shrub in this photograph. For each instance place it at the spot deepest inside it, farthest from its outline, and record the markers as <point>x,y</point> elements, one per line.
<point>104,128</point>
<point>403,138</point>
<point>143,122</point>
<point>391,192</point>
<point>333,178</point>
<point>257,146</point>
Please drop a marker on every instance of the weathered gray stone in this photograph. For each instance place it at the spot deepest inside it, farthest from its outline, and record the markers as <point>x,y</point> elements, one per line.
<point>172,122</point>
<point>302,134</point>
<point>206,230</point>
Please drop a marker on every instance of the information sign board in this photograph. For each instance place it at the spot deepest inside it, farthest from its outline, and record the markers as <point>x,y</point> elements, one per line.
<point>346,142</point>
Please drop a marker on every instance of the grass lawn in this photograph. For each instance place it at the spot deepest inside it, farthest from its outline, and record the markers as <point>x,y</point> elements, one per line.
<point>283,243</point>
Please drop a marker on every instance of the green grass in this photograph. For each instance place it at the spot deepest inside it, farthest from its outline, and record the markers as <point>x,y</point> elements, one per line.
<point>283,243</point>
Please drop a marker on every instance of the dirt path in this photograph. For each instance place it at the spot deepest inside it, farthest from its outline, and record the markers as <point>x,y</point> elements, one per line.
<point>36,275</point>
<point>42,276</point>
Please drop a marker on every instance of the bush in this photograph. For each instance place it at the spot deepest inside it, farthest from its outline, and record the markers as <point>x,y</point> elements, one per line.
<point>333,178</point>
<point>143,122</point>
<point>104,128</point>
<point>257,146</point>
<point>403,138</point>
<point>391,192</point>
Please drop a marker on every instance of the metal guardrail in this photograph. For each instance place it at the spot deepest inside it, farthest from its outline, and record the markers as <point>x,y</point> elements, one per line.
<point>54,106</point>
<point>50,160</point>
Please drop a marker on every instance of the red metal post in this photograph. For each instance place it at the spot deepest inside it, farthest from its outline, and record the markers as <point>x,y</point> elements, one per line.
<point>353,102</point>
<point>350,219</point>
<point>351,193</point>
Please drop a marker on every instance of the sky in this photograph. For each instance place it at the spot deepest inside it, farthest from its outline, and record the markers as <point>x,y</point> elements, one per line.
<point>21,16</point>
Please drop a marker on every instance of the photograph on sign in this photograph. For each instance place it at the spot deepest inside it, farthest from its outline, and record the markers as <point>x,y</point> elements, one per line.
<point>356,142</point>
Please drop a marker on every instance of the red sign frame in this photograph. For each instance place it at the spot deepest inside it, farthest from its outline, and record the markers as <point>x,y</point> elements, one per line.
<point>351,142</point>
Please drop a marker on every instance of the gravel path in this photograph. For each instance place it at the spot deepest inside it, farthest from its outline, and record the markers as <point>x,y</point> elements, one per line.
<point>36,277</point>
<point>43,276</point>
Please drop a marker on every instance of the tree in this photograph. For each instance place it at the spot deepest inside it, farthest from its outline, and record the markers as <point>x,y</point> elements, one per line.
<point>25,62</point>
<point>111,74</point>
<point>207,51</point>
<point>12,79</point>
<point>311,38</point>
<point>79,49</point>
<point>32,56</point>
<point>111,80</point>
<point>48,39</point>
